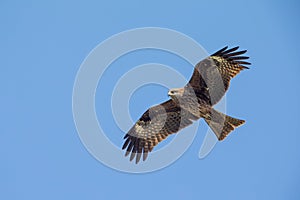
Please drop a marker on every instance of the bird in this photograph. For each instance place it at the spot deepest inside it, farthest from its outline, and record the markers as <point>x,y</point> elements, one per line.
<point>209,82</point>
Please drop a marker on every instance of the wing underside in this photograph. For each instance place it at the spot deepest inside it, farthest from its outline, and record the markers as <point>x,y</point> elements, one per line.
<point>156,124</point>
<point>211,76</point>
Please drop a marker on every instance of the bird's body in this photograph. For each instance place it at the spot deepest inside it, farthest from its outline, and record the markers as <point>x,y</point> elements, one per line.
<point>208,84</point>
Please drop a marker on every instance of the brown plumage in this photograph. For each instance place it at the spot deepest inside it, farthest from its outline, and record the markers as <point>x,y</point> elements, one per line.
<point>208,84</point>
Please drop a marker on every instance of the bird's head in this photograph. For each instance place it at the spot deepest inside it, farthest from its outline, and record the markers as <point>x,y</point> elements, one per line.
<point>176,93</point>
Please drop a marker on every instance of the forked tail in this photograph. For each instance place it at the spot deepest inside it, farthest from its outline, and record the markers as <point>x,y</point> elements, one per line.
<point>222,124</point>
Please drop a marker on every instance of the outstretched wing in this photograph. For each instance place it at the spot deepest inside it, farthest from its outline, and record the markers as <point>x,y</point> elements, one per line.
<point>211,76</point>
<point>155,125</point>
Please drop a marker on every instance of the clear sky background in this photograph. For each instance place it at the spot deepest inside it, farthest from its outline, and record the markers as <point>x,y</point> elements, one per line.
<point>42,47</point>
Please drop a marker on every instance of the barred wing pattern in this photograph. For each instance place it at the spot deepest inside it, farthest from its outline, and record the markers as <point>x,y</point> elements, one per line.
<point>156,124</point>
<point>211,76</point>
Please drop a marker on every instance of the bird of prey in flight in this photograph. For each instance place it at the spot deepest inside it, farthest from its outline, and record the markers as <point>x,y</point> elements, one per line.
<point>208,84</point>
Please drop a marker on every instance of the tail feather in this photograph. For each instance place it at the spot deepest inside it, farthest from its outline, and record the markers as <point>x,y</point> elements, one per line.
<point>222,124</point>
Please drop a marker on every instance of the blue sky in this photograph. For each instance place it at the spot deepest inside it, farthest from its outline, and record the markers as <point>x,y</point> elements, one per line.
<point>42,47</point>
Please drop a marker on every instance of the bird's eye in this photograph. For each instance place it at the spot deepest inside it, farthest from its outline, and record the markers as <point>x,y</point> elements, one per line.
<point>172,92</point>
